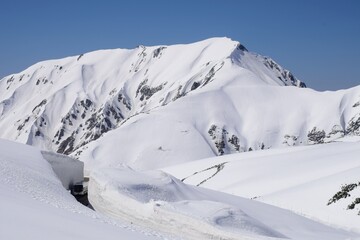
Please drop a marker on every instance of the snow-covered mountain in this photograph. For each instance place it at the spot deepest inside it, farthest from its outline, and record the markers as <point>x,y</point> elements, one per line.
<point>204,99</point>
<point>123,112</point>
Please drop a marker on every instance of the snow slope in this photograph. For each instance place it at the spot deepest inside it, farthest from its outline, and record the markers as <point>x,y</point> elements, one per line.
<point>301,179</point>
<point>62,104</point>
<point>203,99</point>
<point>35,205</point>
<point>227,120</point>
<point>163,202</point>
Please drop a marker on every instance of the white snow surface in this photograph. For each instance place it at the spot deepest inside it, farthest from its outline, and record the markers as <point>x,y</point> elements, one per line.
<point>259,116</point>
<point>200,100</point>
<point>169,106</point>
<point>301,179</point>
<point>34,204</point>
<point>68,170</point>
<point>156,199</point>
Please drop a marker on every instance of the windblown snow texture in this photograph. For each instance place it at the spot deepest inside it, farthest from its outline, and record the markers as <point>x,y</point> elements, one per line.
<point>158,200</point>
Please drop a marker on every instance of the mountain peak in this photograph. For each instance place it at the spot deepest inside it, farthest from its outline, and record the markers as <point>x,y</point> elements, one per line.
<point>62,105</point>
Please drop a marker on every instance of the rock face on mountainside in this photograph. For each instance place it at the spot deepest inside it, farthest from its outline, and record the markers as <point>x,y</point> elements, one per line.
<point>213,97</point>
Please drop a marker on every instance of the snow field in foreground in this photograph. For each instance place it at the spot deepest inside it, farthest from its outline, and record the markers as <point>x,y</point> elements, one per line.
<point>158,200</point>
<point>301,179</point>
<point>34,204</point>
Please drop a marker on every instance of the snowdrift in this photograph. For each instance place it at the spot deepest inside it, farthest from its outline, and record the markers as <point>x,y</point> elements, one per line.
<point>34,204</point>
<point>69,171</point>
<point>301,179</point>
<point>161,201</point>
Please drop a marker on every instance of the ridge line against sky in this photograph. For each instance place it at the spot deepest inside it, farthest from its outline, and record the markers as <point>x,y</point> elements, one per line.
<point>317,40</point>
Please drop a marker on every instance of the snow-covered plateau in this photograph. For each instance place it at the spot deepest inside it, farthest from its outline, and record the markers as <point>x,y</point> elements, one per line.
<point>196,141</point>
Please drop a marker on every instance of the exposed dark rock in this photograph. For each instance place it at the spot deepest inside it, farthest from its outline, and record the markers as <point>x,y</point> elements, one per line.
<point>43,102</point>
<point>209,76</point>
<point>147,91</point>
<point>142,58</point>
<point>219,137</point>
<point>42,122</point>
<point>234,140</point>
<point>80,56</point>
<point>158,52</point>
<point>212,131</point>
<point>302,85</point>
<point>343,193</point>
<point>336,130</point>
<point>354,125</point>
<point>59,134</point>
<point>10,80</point>
<point>67,146</point>
<point>108,122</point>
<point>284,75</point>
<point>124,101</point>
<point>316,136</point>
<point>91,121</point>
<point>178,94</point>
<point>20,127</point>
<point>195,85</point>
<point>86,104</point>
<point>140,86</point>
<point>241,47</point>
<point>353,204</point>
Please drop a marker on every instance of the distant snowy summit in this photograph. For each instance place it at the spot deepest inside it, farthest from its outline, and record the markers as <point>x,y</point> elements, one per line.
<point>169,104</point>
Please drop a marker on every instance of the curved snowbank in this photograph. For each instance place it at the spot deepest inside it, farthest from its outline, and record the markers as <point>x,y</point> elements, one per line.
<point>301,179</point>
<point>160,201</point>
<point>35,205</point>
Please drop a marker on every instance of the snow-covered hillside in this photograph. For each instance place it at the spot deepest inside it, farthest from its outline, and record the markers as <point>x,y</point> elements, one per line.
<point>204,99</point>
<point>321,182</point>
<point>226,120</point>
<point>63,104</point>
<point>34,204</point>
<point>169,107</point>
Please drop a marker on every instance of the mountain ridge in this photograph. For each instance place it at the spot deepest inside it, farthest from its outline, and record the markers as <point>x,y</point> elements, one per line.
<point>225,93</point>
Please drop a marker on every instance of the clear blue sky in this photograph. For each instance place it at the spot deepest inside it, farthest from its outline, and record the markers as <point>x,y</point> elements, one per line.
<point>319,41</point>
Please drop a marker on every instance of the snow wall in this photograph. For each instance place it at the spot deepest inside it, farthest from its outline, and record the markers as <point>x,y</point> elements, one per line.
<point>69,171</point>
